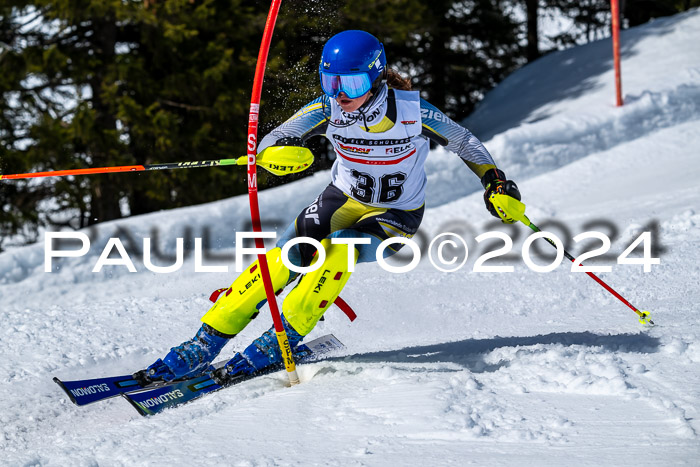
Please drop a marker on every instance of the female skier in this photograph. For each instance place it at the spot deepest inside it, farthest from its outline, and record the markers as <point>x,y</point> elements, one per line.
<point>380,130</point>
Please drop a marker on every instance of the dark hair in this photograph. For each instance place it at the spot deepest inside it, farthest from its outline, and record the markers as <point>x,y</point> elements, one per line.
<point>396,81</point>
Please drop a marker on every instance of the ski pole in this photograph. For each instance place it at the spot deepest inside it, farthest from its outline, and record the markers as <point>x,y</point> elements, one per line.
<point>509,207</point>
<point>282,338</point>
<point>278,160</point>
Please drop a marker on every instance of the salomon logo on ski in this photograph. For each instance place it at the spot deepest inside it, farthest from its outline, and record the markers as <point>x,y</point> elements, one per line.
<point>79,392</point>
<point>162,399</point>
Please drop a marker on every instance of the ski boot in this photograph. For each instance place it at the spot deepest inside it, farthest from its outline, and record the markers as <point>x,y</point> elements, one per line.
<point>189,359</point>
<point>262,354</point>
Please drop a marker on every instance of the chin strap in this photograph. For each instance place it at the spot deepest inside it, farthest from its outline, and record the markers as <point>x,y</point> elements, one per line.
<point>375,92</point>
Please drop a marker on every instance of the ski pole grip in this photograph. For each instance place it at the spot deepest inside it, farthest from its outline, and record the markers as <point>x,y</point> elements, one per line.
<point>508,208</point>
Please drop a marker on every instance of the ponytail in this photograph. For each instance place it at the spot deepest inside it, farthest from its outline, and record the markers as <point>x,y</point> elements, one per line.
<point>396,81</point>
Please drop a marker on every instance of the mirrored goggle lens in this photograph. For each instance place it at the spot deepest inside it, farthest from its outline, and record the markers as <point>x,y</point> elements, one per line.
<point>352,85</point>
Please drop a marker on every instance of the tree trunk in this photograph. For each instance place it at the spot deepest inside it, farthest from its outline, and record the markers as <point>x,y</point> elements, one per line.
<point>104,202</point>
<point>439,67</point>
<point>533,50</point>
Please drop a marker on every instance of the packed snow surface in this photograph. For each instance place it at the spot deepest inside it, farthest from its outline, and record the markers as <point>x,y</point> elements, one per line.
<point>485,368</point>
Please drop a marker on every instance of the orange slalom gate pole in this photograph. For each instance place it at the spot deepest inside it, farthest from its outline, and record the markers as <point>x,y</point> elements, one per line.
<point>615,10</point>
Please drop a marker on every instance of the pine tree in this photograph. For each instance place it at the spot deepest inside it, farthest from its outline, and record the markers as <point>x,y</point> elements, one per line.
<point>95,83</point>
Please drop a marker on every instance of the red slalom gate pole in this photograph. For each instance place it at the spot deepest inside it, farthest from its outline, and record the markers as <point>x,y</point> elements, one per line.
<point>615,11</point>
<point>282,338</point>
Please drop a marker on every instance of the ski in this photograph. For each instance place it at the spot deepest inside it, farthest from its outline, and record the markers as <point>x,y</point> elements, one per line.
<point>87,391</point>
<point>151,401</point>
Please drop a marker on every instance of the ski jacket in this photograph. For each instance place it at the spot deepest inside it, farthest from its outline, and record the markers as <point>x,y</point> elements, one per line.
<point>382,148</point>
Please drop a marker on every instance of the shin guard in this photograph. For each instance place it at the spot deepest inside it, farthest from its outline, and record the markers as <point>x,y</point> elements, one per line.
<point>241,302</point>
<point>317,290</point>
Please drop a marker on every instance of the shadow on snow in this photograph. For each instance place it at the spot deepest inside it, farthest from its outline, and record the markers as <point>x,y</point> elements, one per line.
<point>470,352</point>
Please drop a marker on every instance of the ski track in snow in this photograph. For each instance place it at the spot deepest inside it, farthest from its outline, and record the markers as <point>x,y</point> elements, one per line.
<point>440,369</point>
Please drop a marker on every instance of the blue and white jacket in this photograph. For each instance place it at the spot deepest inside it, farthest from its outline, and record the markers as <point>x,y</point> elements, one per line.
<point>381,148</point>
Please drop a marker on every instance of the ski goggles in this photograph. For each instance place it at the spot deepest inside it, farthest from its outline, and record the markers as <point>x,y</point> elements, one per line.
<point>353,86</point>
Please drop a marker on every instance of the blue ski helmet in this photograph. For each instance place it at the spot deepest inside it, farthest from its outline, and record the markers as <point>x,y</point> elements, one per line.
<point>352,62</point>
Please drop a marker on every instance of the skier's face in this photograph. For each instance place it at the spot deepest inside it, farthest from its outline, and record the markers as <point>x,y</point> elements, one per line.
<point>350,105</point>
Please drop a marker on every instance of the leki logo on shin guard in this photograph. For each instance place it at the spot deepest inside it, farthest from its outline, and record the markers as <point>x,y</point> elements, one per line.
<point>249,284</point>
<point>321,281</point>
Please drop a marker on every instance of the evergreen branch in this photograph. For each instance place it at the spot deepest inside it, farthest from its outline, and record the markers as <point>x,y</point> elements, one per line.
<point>198,108</point>
<point>40,12</point>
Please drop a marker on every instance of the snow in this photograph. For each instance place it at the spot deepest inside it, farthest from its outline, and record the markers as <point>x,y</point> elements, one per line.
<point>518,368</point>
